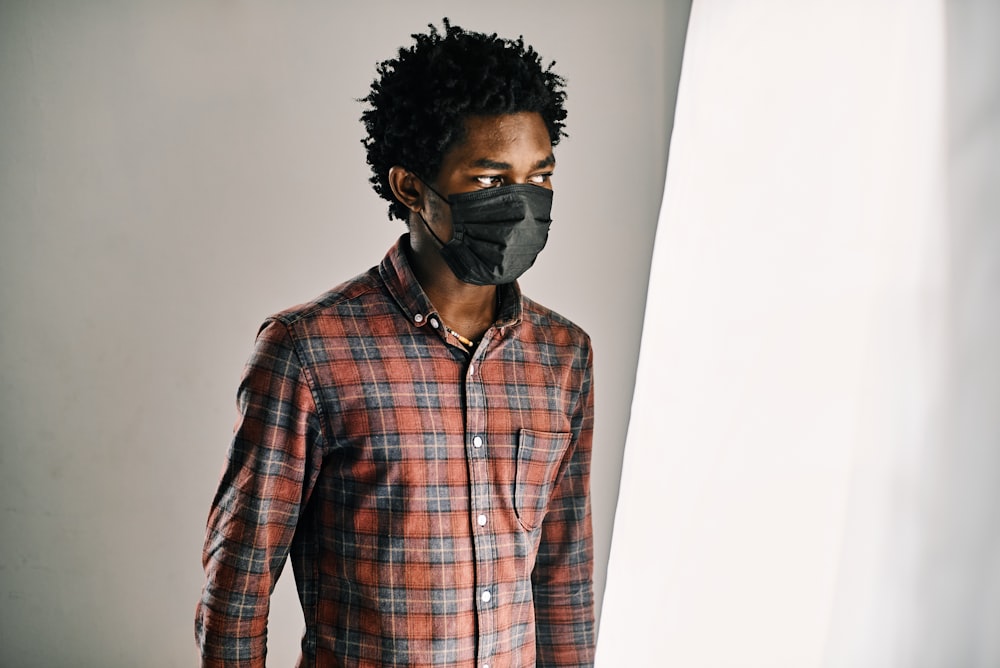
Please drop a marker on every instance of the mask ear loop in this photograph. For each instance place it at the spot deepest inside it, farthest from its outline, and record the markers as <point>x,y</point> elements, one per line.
<point>440,196</point>
<point>424,220</point>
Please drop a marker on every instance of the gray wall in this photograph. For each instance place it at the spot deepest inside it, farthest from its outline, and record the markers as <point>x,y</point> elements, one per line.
<point>173,172</point>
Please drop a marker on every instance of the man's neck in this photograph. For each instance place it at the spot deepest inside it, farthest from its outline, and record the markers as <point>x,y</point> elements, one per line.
<point>468,309</point>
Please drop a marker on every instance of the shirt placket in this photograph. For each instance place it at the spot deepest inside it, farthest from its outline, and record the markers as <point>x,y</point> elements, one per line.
<point>484,538</point>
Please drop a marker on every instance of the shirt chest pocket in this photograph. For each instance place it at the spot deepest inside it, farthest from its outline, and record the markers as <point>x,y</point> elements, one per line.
<point>539,456</point>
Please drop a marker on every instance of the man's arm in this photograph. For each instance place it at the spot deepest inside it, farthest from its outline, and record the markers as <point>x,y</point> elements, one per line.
<point>269,473</point>
<point>562,580</point>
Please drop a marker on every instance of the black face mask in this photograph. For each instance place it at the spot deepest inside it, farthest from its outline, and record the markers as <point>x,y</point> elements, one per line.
<point>496,232</point>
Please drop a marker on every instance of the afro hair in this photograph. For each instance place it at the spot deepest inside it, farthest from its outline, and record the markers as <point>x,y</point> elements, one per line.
<point>418,104</point>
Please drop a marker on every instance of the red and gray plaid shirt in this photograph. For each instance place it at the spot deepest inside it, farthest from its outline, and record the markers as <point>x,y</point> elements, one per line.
<point>434,502</point>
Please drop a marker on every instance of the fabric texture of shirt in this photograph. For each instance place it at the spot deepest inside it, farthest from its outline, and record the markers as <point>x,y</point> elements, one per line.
<point>434,502</point>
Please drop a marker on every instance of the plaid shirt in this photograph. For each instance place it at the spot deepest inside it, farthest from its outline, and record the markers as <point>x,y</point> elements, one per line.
<point>434,502</point>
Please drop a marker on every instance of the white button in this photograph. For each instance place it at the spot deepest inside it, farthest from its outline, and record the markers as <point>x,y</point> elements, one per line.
<point>434,323</point>
<point>418,317</point>
<point>486,596</point>
<point>477,442</point>
<point>472,369</point>
<point>482,520</point>
<point>486,665</point>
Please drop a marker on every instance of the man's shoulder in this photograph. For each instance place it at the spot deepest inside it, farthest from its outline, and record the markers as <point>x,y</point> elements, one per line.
<point>343,300</point>
<point>541,316</point>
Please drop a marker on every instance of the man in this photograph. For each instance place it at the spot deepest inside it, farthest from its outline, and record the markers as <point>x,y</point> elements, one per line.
<point>418,438</point>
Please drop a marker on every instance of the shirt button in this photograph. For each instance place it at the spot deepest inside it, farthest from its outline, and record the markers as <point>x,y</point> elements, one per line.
<point>477,442</point>
<point>418,317</point>
<point>486,596</point>
<point>482,520</point>
<point>434,323</point>
<point>472,369</point>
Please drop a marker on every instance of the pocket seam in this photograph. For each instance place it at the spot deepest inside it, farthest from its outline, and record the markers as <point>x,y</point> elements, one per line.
<point>531,518</point>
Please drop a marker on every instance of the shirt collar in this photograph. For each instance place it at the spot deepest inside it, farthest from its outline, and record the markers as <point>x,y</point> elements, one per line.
<point>399,279</point>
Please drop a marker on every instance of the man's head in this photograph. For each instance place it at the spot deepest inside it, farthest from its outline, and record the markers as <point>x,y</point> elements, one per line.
<point>420,102</point>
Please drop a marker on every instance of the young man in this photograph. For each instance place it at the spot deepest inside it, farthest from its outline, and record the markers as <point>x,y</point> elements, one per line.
<point>418,438</point>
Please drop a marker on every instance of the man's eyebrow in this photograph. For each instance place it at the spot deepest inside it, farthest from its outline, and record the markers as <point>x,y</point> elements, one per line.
<point>550,161</point>
<point>489,163</point>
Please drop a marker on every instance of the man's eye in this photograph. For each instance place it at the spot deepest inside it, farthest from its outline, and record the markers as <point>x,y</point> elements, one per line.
<point>489,181</point>
<point>540,178</point>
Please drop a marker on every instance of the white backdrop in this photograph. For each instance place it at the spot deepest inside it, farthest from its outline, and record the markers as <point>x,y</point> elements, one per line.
<point>812,469</point>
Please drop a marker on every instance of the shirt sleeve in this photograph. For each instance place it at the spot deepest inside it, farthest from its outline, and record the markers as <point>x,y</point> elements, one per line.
<point>562,580</point>
<point>270,470</point>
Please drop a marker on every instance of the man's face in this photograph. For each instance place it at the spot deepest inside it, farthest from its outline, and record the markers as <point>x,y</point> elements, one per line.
<point>497,151</point>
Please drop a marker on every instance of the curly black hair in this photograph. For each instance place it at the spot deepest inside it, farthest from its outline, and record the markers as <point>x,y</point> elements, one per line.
<point>418,104</point>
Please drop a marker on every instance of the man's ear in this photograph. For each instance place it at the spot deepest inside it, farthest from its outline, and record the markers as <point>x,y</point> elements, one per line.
<point>407,188</point>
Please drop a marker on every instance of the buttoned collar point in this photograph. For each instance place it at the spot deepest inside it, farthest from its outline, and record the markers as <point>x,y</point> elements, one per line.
<point>402,284</point>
